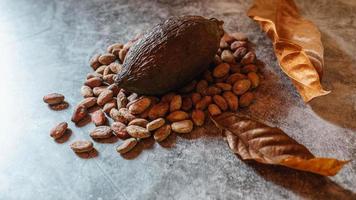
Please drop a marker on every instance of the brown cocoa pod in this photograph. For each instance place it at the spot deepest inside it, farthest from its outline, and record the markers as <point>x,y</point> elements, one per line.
<point>231,100</point>
<point>158,110</point>
<point>203,103</point>
<point>187,103</point>
<point>162,133</point>
<point>248,58</point>
<point>138,131</point>
<point>107,58</point>
<point>188,88</point>
<point>79,113</point>
<point>198,117</point>
<point>139,122</point>
<point>235,77</point>
<point>177,116</point>
<point>127,146</point>
<point>109,105</point>
<point>101,132</point>
<point>59,130</point>
<point>220,101</point>
<point>53,98</point>
<point>82,146</point>
<point>98,118</point>
<point>176,103</point>
<point>86,91</point>
<point>119,129</point>
<point>241,86</point>
<point>104,97</point>
<point>140,106</point>
<point>155,124</point>
<point>185,126</point>
<point>214,110</point>
<point>93,82</point>
<point>246,99</point>
<point>221,70</point>
<point>94,61</point>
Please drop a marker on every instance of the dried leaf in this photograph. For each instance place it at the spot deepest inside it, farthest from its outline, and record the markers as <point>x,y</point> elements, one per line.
<point>296,42</point>
<point>253,140</point>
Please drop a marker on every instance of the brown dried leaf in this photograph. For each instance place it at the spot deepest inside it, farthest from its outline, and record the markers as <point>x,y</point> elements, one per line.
<point>253,140</point>
<point>296,42</point>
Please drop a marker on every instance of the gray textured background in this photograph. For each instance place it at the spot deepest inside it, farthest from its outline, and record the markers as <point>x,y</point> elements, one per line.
<point>45,46</point>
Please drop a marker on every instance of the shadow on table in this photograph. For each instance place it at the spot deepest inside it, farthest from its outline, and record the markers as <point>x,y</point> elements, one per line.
<point>339,106</point>
<point>307,185</point>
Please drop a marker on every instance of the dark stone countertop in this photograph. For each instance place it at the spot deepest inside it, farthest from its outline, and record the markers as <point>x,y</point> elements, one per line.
<point>45,47</point>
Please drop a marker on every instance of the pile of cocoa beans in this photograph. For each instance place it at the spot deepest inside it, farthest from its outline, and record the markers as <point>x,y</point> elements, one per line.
<point>228,85</point>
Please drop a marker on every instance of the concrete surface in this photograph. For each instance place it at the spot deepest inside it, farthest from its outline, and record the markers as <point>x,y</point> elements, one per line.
<point>45,46</point>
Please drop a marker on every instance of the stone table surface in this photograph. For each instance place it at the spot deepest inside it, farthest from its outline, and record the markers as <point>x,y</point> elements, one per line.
<point>45,46</point>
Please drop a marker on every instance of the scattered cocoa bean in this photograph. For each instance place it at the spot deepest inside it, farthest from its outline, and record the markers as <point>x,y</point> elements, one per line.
<point>162,133</point>
<point>94,61</point>
<point>107,58</point>
<point>86,91</point>
<point>155,124</point>
<point>214,110</point>
<point>127,145</point>
<point>59,130</point>
<point>198,117</point>
<point>119,129</point>
<point>53,98</point>
<point>241,86</point>
<point>79,113</point>
<point>176,103</point>
<point>220,101</point>
<point>246,99</point>
<point>158,110</point>
<point>59,106</point>
<point>98,118</point>
<point>140,106</point>
<point>93,82</point>
<point>137,131</point>
<point>177,116</point>
<point>232,100</point>
<point>82,146</point>
<point>104,97</point>
<point>101,132</point>
<point>185,126</point>
<point>139,122</point>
